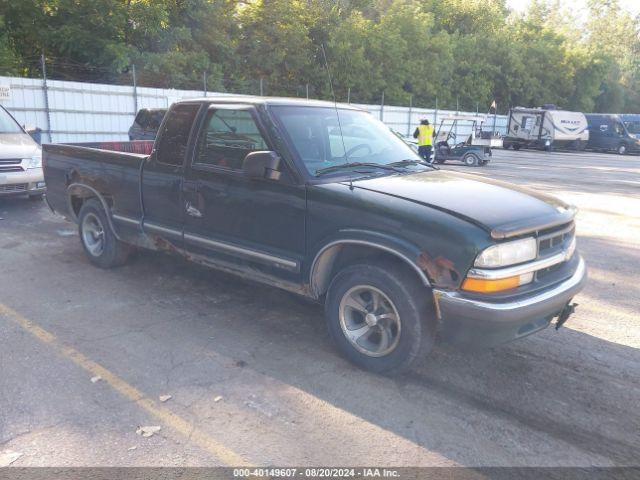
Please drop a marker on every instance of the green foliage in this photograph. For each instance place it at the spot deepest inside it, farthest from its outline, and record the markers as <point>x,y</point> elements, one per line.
<point>468,52</point>
<point>10,61</point>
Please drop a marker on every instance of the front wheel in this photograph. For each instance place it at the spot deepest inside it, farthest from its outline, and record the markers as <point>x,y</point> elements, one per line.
<point>98,240</point>
<point>380,317</point>
<point>622,149</point>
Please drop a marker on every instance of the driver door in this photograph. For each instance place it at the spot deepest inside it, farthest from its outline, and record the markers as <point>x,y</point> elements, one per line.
<point>252,225</point>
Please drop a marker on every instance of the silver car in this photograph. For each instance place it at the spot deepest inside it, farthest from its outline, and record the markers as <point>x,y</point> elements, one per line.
<point>20,160</point>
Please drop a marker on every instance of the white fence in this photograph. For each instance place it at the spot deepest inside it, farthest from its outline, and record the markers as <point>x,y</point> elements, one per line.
<point>88,112</point>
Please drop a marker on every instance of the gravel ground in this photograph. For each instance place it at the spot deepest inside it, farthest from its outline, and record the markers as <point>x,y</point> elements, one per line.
<point>254,378</point>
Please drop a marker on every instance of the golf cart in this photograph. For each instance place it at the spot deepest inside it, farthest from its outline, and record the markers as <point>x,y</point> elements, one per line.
<point>474,149</point>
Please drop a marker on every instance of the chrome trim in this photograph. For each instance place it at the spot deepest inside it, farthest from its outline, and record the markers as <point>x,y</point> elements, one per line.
<point>557,233</point>
<point>496,274</point>
<point>420,273</point>
<point>161,229</point>
<point>229,248</point>
<point>123,219</point>
<point>575,279</point>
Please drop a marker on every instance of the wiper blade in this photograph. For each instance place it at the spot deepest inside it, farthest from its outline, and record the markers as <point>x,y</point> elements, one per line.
<point>335,168</point>
<point>414,162</point>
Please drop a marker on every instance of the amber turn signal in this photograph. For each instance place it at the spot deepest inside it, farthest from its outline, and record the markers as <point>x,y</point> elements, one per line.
<point>481,285</point>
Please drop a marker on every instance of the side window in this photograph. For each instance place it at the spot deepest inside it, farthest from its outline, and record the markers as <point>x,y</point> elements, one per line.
<point>142,119</point>
<point>619,129</point>
<point>227,137</point>
<point>174,139</point>
<point>155,119</point>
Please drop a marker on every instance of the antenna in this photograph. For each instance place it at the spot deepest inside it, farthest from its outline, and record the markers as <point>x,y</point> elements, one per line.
<point>335,103</point>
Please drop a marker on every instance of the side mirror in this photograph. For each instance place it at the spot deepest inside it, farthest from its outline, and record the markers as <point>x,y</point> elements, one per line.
<point>262,164</point>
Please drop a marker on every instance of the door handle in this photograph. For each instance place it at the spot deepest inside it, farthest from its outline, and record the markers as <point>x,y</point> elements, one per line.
<point>193,211</point>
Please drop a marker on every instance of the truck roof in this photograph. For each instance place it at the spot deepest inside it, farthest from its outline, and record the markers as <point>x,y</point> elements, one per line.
<point>257,100</point>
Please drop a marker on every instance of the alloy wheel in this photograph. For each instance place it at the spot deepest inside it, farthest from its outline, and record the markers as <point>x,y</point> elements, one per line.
<point>369,321</point>
<point>93,234</point>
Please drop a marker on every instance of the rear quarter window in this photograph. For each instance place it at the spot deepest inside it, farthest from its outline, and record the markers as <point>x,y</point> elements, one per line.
<point>174,139</point>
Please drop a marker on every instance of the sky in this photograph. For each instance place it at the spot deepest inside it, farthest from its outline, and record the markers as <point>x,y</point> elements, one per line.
<point>632,6</point>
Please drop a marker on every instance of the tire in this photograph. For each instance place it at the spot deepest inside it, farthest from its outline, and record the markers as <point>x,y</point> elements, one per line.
<point>516,146</point>
<point>99,242</point>
<point>471,160</point>
<point>622,149</point>
<point>440,161</point>
<point>36,198</point>
<point>399,295</point>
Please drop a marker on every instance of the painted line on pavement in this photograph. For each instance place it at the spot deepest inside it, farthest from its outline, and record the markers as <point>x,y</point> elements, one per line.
<point>165,415</point>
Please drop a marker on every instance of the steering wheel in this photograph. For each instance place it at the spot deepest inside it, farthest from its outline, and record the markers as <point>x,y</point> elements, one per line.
<point>451,136</point>
<point>358,147</point>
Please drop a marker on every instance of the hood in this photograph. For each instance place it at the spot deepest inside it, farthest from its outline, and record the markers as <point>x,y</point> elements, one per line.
<point>502,209</point>
<point>17,145</point>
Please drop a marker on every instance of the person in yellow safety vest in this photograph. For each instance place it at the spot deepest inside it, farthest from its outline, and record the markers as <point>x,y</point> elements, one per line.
<point>424,133</point>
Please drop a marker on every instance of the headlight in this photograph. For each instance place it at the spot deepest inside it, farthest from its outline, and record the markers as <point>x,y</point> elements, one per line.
<point>509,253</point>
<point>502,255</point>
<point>35,161</point>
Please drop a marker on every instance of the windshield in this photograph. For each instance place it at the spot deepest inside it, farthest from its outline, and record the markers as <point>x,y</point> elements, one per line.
<point>8,124</point>
<point>633,127</point>
<point>315,134</point>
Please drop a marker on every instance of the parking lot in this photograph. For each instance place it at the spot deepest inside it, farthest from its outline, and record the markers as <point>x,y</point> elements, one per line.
<point>254,379</point>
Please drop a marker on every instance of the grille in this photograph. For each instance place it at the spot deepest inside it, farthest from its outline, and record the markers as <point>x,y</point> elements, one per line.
<point>551,242</point>
<point>555,241</point>
<point>18,187</point>
<point>8,165</point>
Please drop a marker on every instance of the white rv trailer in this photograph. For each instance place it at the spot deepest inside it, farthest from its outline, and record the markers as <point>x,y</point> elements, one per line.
<point>546,128</point>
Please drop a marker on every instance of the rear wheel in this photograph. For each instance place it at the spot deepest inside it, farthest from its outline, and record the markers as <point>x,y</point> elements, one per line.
<point>622,149</point>
<point>471,160</point>
<point>380,317</point>
<point>98,241</point>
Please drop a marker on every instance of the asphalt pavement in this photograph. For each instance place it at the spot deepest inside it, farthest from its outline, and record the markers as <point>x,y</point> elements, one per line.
<point>87,354</point>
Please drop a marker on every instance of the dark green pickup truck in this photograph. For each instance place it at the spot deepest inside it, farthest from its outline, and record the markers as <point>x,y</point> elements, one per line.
<point>325,201</point>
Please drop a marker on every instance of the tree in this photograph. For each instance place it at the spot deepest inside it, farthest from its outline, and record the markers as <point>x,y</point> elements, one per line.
<point>471,50</point>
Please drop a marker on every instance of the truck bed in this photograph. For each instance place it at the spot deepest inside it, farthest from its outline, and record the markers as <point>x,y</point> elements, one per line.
<point>98,167</point>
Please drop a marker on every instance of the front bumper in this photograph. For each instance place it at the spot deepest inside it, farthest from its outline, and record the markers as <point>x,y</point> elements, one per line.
<point>28,182</point>
<point>474,323</point>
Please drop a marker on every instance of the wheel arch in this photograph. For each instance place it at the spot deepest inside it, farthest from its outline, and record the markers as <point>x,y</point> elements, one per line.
<point>323,268</point>
<point>79,193</point>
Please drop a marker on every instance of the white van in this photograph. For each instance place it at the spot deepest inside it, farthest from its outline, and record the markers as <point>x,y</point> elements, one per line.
<point>20,160</point>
